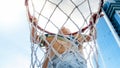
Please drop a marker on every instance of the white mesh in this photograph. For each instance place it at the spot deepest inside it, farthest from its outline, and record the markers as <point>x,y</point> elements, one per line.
<point>52,15</point>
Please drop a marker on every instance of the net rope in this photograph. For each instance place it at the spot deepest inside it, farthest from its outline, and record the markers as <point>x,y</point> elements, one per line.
<point>47,43</point>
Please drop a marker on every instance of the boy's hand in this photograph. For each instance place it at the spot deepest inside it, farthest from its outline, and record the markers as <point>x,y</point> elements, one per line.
<point>26,2</point>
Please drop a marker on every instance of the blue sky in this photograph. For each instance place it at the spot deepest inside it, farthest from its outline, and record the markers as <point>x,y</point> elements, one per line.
<point>14,35</point>
<point>15,43</point>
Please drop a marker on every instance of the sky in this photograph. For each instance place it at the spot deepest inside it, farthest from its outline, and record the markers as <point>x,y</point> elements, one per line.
<point>14,37</point>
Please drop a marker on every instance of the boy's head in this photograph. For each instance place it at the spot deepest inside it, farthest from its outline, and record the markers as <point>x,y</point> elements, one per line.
<point>64,30</point>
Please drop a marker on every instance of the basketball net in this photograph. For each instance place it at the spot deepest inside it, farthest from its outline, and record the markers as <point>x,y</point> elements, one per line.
<point>48,17</point>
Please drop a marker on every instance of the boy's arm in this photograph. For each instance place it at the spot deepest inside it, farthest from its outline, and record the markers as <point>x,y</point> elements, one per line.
<point>91,26</point>
<point>91,36</point>
<point>34,22</point>
<point>86,38</point>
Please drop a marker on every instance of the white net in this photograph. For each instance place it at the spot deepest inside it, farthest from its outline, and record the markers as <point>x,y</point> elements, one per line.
<point>63,33</point>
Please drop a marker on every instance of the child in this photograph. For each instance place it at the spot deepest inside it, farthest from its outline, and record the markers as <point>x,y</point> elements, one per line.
<point>65,49</point>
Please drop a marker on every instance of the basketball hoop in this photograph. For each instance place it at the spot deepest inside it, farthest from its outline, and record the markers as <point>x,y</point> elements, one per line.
<point>49,17</point>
